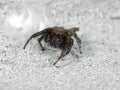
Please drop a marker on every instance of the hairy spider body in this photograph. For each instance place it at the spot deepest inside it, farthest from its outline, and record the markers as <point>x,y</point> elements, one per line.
<point>57,37</point>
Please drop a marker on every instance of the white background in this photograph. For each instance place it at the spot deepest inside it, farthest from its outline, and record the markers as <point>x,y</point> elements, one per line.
<point>98,68</point>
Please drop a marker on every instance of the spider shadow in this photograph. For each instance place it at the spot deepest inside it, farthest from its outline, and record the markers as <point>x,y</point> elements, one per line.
<point>77,57</point>
<point>74,56</point>
<point>64,65</point>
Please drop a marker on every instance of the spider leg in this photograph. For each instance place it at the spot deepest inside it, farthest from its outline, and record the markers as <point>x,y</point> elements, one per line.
<point>65,50</point>
<point>39,40</point>
<point>33,36</point>
<point>78,42</point>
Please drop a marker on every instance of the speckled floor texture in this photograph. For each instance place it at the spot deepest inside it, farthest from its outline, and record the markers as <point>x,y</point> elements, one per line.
<point>98,68</point>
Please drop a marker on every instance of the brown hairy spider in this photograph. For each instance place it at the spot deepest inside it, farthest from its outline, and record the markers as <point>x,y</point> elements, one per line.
<point>58,37</point>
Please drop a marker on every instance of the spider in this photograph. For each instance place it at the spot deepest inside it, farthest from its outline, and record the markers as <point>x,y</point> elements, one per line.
<point>58,37</point>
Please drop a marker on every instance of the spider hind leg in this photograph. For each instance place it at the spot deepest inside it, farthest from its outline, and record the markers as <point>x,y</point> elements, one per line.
<point>39,40</point>
<point>34,35</point>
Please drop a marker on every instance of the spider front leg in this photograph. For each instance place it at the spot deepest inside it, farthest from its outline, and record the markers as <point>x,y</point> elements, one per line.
<point>65,50</point>
<point>78,42</point>
<point>39,40</point>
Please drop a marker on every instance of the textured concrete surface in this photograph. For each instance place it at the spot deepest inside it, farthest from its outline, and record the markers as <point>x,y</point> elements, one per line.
<point>98,68</point>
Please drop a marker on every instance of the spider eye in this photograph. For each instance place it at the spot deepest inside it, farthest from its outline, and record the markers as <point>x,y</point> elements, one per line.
<point>77,29</point>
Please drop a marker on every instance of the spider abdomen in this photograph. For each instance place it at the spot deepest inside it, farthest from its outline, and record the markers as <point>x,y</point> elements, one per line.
<point>54,40</point>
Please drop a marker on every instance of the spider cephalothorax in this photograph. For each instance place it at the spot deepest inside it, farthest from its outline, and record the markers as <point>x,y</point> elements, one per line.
<point>58,37</point>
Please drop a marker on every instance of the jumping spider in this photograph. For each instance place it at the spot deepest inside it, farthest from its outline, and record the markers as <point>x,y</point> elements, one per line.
<point>58,37</point>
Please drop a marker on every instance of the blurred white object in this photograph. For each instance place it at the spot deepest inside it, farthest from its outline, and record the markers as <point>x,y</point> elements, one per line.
<point>27,19</point>
<point>20,20</point>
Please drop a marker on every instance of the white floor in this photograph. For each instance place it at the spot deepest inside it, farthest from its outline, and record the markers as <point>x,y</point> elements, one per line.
<point>98,68</point>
